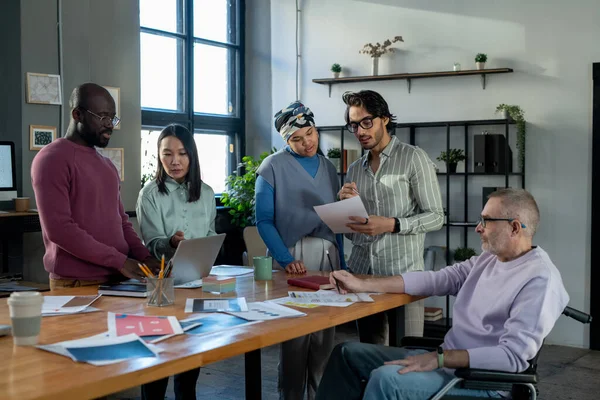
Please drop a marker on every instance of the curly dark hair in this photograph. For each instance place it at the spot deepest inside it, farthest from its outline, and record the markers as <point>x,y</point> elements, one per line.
<point>372,101</point>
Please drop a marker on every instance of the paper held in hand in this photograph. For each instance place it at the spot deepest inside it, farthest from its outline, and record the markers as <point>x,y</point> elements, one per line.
<point>337,215</point>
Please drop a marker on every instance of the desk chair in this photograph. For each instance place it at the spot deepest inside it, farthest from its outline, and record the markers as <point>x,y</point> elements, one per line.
<point>522,385</point>
<point>254,245</point>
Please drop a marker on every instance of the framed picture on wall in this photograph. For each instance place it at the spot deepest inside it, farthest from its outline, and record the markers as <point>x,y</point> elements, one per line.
<point>115,92</point>
<point>40,136</point>
<point>116,155</point>
<point>43,89</point>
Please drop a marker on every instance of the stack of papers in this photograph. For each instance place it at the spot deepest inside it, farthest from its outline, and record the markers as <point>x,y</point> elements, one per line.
<point>102,349</point>
<point>265,311</point>
<point>329,298</point>
<point>64,305</point>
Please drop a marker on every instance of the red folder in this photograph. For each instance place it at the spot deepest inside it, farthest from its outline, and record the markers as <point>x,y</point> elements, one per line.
<point>311,282</point>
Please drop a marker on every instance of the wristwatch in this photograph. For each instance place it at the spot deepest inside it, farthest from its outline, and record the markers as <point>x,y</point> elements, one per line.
<point>396,225</point>
<point>440,357</point>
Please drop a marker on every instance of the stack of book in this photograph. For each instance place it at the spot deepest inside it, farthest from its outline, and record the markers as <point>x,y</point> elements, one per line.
<point>218,284</point>
<point>433,314</point>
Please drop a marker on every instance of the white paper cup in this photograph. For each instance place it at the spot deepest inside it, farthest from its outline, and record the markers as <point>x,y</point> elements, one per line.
<point>26,317</point>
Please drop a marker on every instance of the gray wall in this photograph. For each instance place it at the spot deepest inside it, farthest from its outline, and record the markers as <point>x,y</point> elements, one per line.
<point>10,70</point>
<point>259,115</point>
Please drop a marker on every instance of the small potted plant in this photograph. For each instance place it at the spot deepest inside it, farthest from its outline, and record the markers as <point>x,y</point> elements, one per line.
<point>452,158</point>
<point>480,60</point>
<point>377,50</point>
<point>336,69</point>
<point>463,253</point>
<point>335,156</point>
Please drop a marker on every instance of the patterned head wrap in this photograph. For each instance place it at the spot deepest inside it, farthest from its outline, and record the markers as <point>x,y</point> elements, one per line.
<point>293,117</point>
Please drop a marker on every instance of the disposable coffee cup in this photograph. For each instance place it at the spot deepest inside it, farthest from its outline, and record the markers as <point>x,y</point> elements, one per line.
<point>21,204</point>
<point>26,317</point>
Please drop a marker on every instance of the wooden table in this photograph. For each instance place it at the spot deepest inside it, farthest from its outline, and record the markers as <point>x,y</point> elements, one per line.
<point>31,373</point>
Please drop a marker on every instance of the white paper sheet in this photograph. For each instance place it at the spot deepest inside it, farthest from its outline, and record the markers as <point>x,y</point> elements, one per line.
<point>102,339</point>
<point>231,270</point>
<point>55,305</point>
<point>288,301</point>
<point>327,297</point>
<point>87,310</point>
<point>264,311</point>
<point>337,215</point>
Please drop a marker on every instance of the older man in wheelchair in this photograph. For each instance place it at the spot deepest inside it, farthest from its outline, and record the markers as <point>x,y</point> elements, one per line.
<point>507,301</point>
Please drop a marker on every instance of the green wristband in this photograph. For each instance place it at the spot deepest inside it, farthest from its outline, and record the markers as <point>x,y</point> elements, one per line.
<point>440,357</point>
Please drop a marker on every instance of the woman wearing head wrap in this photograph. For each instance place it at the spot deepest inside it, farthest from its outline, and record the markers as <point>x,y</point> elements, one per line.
<point>289,184</point>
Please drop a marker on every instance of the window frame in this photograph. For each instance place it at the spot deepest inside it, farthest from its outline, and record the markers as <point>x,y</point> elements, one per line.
<point>233,125</point>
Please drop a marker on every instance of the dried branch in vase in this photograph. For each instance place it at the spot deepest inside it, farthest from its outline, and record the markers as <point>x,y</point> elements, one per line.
<point>378,49</point>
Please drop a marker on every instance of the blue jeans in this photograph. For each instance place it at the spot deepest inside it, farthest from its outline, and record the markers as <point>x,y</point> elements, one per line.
<point>352,364</point>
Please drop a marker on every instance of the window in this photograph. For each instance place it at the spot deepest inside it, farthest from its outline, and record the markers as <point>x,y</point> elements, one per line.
<point>192,58</point>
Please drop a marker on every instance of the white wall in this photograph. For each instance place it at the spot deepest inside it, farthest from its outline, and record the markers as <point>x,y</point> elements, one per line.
<point>550,45</point>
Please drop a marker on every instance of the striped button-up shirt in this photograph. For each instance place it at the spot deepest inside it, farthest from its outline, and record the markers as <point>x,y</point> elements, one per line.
<point>406,187</point>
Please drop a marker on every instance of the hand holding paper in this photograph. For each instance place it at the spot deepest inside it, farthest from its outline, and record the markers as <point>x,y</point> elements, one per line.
<point>337,215</point>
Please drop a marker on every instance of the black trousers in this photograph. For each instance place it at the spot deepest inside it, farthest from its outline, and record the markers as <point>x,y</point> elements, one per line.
<point>184,386</point>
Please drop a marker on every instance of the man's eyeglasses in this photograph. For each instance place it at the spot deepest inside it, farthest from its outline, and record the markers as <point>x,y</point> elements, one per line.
<point>365,123</point>
<point>106,119</point>
<point>482,221</point>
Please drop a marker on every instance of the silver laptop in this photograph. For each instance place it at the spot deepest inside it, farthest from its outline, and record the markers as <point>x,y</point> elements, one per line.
<point>194,258</point>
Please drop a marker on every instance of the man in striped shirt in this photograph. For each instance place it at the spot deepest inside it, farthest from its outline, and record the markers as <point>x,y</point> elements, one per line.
<point>399,188</point>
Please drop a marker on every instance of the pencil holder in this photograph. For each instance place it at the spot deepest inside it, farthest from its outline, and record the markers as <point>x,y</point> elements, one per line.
<point>161,292</point>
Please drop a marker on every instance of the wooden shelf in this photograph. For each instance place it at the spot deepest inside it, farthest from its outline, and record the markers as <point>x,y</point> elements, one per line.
<point>410,76</point>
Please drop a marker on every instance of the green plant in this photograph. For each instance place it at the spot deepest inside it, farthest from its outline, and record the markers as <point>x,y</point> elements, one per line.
<point>378,49</point>
<point>518,115</point>
<point>463,253</point>
<point>149,170</point>
<point>480,57</point>
<point>336,68</point>
<point>334,153</point>
<point>239,196</point>
<point>453,156</point>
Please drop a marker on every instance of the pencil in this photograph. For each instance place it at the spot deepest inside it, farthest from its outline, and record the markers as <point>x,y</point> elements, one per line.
<point>162,266</point>
<point>150,274</point>
<point>143,270</point>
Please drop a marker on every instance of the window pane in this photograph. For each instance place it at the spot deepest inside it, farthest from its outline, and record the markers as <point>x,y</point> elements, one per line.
<point>161,58</point>
<point>213,153</point>
<point>165,15</point>
<point>149,153</point>
<point>214,20</point>
<point>212,71</point>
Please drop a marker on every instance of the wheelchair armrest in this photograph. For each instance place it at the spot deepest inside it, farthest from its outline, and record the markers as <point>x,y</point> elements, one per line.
<point>426,343</point>
<point>473,374</point>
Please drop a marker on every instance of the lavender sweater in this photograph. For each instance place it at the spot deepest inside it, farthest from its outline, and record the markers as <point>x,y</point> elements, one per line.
<point>503,310</point>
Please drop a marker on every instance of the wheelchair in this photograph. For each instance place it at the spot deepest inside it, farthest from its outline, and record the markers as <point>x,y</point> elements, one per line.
<point>521,385</point>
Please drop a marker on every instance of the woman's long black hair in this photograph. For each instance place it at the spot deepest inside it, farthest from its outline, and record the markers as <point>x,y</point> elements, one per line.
<point>193,177</point>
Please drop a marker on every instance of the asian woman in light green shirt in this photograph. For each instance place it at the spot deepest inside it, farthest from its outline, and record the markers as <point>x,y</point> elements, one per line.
<point>173,207</point>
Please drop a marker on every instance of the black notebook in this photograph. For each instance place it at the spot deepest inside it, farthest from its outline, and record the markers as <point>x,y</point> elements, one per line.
<point>123,289</point>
